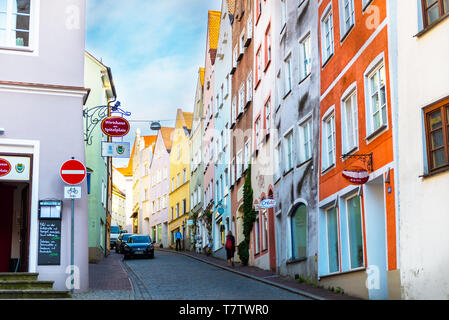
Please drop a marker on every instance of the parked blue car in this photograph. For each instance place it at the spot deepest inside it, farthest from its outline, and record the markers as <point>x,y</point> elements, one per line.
<point>138,246</point>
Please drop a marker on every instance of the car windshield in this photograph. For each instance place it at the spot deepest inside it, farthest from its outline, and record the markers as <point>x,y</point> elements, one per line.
<point>115,229</point>
<point>141,239</point>
<point>126,236</point>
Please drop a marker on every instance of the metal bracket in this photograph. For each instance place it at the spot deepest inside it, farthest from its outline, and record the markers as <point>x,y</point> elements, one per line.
<point>95,115</point>
<point>366,158</point>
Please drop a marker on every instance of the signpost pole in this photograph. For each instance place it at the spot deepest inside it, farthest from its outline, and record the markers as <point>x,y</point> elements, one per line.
<point>72,254</point>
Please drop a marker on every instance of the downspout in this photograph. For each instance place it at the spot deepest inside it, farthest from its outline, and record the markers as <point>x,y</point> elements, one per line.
<point>109,183</point>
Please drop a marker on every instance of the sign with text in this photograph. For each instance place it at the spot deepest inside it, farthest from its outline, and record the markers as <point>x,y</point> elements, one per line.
<point>116,149</point>
<point>268,203</point>
<point>49,251</point>
<point>15,168</point>
<point>115,126</point>
<point>356,175</point>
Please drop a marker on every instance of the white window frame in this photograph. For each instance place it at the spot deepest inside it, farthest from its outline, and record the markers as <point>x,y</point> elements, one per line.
<point>350,96</point>
<point>328,119</point>
<point>241,98</point>
<point>287,74</point>
<point>305,148</point>
<point>373,68</point>
<point>288,136</point>
<point>249,87</point>
<point>327,20</point>
<point>305,56</point>
<point>344,17</point>
<point>33,33</point>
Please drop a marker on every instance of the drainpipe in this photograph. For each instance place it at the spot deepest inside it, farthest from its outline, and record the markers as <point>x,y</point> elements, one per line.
<point>109,184</point>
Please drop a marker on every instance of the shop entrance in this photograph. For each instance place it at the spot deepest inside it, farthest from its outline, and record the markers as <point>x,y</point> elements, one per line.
<point>14,226</point>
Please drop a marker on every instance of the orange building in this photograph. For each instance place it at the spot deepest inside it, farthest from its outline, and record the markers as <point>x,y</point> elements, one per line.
<point>358,242</point>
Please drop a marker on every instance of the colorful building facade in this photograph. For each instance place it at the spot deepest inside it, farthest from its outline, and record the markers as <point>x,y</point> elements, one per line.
<point>358,239</point>
<point>179,197</point>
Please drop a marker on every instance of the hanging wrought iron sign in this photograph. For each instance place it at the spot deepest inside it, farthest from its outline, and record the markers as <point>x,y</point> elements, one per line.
<point>356,175</point>
<point>115,126</point>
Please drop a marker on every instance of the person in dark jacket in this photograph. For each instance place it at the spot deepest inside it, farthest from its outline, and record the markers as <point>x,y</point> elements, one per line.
<point>230,248</point>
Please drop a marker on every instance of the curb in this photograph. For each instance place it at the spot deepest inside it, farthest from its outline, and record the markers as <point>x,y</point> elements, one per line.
<point>280,286</point>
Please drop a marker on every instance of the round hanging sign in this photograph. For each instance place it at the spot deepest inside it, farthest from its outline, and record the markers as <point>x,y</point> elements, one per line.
<point>356,175</point>
<point>5,167</point>
<point>115,126</point>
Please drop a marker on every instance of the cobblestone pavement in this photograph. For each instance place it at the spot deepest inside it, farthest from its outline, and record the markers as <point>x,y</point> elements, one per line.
<point>269,277</point>
<point>108,280</point>
<point>171,276</point>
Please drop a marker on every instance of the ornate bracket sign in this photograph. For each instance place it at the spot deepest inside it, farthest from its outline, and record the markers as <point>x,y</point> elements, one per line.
<point>356,175</point>
<point>115,126</point>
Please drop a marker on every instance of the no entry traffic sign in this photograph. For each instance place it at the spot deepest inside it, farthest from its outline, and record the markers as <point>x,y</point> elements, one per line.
<point>73,172</point>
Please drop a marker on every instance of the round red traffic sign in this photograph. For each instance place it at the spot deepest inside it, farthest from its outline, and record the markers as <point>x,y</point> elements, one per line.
<point>5,167</point>
<point>73,172</point>
<point>115,126</point>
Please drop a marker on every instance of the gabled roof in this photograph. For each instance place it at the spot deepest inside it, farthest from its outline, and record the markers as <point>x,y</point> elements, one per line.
<point>214,28</point>
<point>231,6</point>
<point>201,71</point>
<point>188,119</point>
<point>166,133</point>
<point>128,171</point>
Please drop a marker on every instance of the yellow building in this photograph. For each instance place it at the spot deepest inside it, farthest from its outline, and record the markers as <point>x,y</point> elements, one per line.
<point>179,200</point>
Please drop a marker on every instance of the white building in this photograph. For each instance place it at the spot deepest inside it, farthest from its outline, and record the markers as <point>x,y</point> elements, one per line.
<point>41,100</point>
<point>422,143</point>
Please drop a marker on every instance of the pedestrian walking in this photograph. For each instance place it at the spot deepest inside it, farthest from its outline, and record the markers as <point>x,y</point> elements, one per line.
<point>230,248</point>
<point>178,238</point>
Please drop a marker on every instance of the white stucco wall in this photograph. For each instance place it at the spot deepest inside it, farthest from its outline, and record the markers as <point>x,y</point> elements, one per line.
<point>423,68</point>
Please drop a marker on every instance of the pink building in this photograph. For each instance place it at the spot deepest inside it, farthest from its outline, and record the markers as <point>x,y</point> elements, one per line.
<point>159,188</point>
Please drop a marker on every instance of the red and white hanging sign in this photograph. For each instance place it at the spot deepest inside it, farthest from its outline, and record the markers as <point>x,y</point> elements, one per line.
<point>356,175</point>
<point>115,126</point>
<point>5,167</point>
<point>73,172</point>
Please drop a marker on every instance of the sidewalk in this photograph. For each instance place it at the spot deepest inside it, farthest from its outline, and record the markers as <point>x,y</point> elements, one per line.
<point>108,281</point>
<point>267,277</point>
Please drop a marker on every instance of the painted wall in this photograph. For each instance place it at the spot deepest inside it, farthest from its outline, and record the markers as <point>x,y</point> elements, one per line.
<point>28,114</point>
<point>157,190</point>
<point>299,186</point>
<point>424,253</point>
<point>222,67</point>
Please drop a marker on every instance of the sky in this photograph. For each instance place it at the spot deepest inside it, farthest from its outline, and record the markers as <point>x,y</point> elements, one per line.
<point>154,48</point>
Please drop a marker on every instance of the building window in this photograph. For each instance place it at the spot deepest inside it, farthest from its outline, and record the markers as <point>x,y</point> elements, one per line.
<point>256,236</point>
<point>249,88</point>
<point>172,214</point>
<point>354,214</point>
<point>89,176</point>
<point>233,171</point>
<point>346,16</point>
<point>433,10</point>
<point>283,13</point>
<point>305,57</point>
<point>184,206</point>
<point>177,210</point>
<point>377,104</point>
<point>178,180</point>
<point>239,164</point>
<point>305,133</point>
<point>265,230</point>
<point>328,141</point>
<point>259,66</point>
<point>327,36</point>
<point>332,240</point>
<point>15,22</point>
<point>288,148</point>
<point>299,232</point>
<point>350,123</point>
<point>247,154</point>
<point>268,116</point>
<point>234,110</point>
<point>277,162</point>
<point>241,98</point>
<point>437,134</point>
<point>267,47</point>
<point>258,128</point>
<point>184,176</point>
<point>287,75</point>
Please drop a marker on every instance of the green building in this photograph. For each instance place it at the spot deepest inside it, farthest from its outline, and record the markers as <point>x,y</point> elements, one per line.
<point>98,78</point>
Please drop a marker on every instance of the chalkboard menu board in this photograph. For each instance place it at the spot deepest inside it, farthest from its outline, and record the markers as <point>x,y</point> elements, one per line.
<point>49,243</point>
